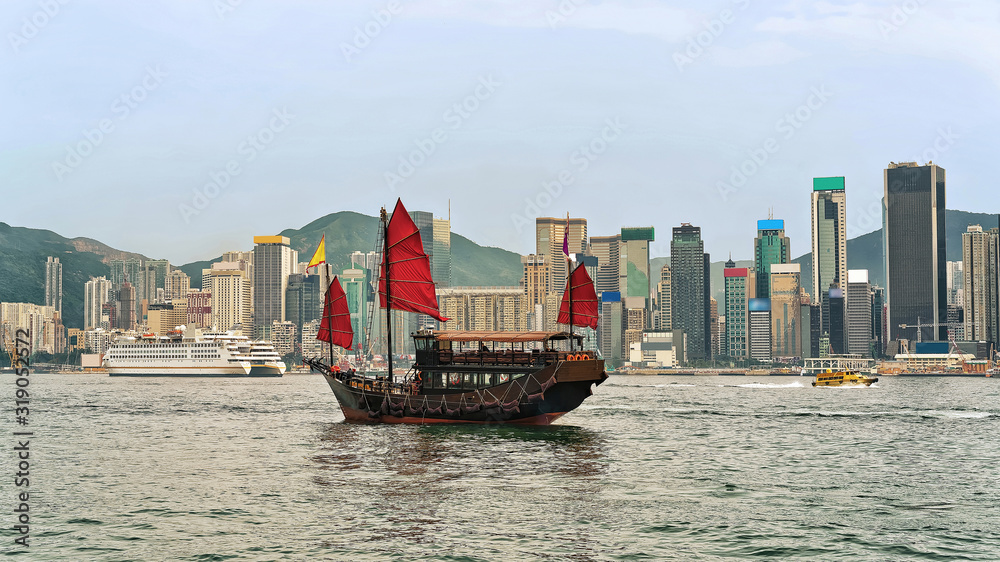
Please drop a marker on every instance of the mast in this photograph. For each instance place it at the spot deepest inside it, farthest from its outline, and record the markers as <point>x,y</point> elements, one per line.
<point>388,301</point>
<point>329,282</point>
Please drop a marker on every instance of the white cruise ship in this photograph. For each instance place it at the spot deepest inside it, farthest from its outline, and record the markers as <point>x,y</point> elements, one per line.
<point>264,360</point>
<point>180,354</point>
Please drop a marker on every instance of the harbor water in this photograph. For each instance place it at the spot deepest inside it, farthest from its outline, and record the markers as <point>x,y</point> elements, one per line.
<point>649,468</point>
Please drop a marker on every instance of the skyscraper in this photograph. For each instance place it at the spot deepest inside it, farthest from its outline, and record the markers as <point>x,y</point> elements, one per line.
<point>612,327</point>
<point>436,237</point>
<point>303,300</point>
<point>829,240</point>
<point>981,283</point>
<point>760,329</point>
<point>96,294</point>
<point>274,260</point>
<point>633,265</point>
<point>740,287</point>
<point>913,229</point>
<point>230,300</point>
<point>838,326</point>
<point>53,284</point>
<point>607,249</point>
<point>786,310</point>
<point>771,246</point>
<point>858,324</point>
<point>549,234</point>
<point>664,301</point>
<point>689,288</point>
<point>162,268</point>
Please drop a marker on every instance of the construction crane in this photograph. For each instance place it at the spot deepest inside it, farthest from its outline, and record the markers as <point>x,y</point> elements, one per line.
<point>7,339</point>
<point>918,326</point>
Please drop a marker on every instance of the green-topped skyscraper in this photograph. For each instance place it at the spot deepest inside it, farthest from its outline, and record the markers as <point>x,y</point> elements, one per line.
<point>829,242</point>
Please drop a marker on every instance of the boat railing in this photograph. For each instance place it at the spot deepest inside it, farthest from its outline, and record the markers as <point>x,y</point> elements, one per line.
<point>507,357</point>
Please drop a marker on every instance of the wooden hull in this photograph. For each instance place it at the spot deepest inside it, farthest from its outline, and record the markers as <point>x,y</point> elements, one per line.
<point>538,398</point>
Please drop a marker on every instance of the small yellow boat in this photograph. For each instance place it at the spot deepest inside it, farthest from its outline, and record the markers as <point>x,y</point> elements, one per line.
<point>843,378</point>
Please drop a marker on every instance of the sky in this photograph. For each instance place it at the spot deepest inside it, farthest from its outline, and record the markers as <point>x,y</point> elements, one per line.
<point>181,129</point>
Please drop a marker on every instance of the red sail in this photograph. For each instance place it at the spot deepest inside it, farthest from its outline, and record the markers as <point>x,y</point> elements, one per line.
<point>584,300</point>
<point>335,327</point>
<point>411,286</point>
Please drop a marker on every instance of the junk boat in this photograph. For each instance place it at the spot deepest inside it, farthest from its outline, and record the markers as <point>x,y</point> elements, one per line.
<point>843,378</point>
<point>481,377</point>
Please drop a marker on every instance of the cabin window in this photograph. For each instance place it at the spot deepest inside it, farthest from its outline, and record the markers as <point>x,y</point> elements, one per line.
<point>469,381</point>
<point>421,344</point>
<point>454,380</point>
<point>487,379</point>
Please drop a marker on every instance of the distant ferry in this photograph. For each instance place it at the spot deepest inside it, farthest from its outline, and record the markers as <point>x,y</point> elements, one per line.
<point>214,354</point>
<point>843,378</point>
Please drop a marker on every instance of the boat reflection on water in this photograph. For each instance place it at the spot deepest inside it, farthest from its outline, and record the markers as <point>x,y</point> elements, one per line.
<point>414,483</point>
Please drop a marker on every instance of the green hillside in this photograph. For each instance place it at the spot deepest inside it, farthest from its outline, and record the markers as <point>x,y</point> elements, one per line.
<point>348,232</point>
<point>23,253</point>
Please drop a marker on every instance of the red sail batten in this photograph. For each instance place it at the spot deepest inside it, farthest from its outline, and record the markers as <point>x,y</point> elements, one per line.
<point>335,326</point>
<point>584,297</point>
<point>412,284</point>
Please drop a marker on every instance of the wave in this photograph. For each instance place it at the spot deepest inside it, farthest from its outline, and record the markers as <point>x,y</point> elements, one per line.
<point>764,385</point>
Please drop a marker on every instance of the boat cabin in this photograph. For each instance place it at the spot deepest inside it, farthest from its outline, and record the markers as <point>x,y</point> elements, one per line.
<point>482,348</point>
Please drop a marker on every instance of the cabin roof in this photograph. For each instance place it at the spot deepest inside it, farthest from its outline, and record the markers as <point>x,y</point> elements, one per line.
<point>502,337</point>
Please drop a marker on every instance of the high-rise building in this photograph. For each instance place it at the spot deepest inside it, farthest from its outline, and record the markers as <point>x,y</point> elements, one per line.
<point>771,246</point>
<point>96,293</point>
<point>283,336</point>
<point>838,323</point>
<point>535,281</point>
<point>484,308</point>
<point>356,287</point>
<point>303,300</point>
<point>125,308</point>
<point>162,268</point>
<point>829,239</point>
<point>715,325</point>
<point>607,249</point>
<point>230,301</point>
<point>760,329</point>
<point>53,284</point>
<point>127,270</point>
<point>689,279</point>
<point>786,310</point>
<point>633,264</point>
<point>436,237</point>
<point>956,283</point>
<point>664,301</point>
<point>878,322</point>
<point>199,308</point>
<point>176,285</point>
<point>859,313</point>
<point>549,234</point>
<point>913,230</point>
<point>740,287</point>
<point>981,283</point>
<point>612,328</point>
<point>274,261</point>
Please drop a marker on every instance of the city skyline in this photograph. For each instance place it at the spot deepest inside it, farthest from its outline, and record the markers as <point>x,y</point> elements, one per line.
<point>485,117</point>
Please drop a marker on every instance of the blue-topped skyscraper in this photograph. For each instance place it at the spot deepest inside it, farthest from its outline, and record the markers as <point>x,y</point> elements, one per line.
<point>829,242</point>
<point>913,230</point>
<point>770,247</point>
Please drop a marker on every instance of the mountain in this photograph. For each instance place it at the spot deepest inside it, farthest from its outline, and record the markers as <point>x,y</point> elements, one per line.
<point>865,251</point>
<point>23,253</point>
<point>347,232</point>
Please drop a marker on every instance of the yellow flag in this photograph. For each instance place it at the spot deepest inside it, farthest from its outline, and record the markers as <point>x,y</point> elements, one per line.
<point>320,255</point>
